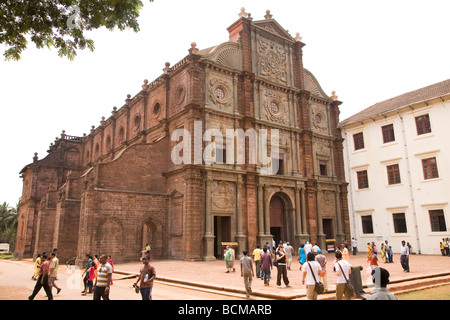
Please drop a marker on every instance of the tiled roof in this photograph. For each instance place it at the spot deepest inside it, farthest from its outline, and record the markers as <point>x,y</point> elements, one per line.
<point>434,91</point>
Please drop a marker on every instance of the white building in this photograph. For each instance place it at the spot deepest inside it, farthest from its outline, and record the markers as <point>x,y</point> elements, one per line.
<point>397,163</point>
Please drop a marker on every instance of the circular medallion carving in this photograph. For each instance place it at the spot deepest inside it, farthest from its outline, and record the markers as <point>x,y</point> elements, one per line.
<point>180,93</point>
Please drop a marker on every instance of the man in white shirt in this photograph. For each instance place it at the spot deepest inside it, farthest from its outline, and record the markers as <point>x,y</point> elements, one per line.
<point>343,270</point>
<point>308,248</point>
<point>312,272</point>
<point>404,257</point>
<point>354,246</point>
<point>380,278</point>
<point>315,248</point>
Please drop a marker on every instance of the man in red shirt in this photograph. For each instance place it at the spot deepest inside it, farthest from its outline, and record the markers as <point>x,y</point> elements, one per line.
<point>42,281</point>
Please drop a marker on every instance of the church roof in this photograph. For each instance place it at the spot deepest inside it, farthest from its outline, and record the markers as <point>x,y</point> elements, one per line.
<point>431,92</point>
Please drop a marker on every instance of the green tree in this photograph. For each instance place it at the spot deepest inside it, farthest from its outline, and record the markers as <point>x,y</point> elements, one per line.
<point>61,23</point>
<point>8,224</point>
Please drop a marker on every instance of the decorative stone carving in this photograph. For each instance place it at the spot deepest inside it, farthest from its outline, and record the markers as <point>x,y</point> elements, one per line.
<point>275,106</point>
<point>328,204</point>
<point>223,196</point>
<point>319,119</point>
<point>179,94</point>
<point>272,61</point>
<point>220,93</point>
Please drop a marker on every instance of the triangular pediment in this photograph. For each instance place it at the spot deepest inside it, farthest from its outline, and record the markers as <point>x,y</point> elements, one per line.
<point>273,27</point>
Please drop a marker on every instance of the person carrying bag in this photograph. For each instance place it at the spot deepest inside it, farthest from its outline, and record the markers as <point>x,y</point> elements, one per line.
<point>313,287</point>
<point>348,291</point>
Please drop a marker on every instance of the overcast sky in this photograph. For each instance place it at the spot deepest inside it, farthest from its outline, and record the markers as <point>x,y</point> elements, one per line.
<point>367,51</point>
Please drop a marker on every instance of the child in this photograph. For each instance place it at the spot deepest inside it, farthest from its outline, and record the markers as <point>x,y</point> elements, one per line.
<point>391,255</point>
<point>91,277</point>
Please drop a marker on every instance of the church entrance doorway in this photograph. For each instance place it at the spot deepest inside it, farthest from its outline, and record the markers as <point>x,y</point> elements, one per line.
<point>278,219</point>
<point>222,233</point>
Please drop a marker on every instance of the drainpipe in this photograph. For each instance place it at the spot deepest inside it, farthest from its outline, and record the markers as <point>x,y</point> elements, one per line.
<point>411,191</point>
<point>350,193</point>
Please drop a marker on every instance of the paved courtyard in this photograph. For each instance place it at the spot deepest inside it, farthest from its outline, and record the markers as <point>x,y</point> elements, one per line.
<point>212,274</point>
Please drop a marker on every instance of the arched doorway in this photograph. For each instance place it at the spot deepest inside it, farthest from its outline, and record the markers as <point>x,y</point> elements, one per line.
<point>278,219</point>
<point>152,235</point>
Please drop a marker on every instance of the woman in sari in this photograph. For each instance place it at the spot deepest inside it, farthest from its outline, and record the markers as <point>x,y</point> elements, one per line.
<point>369,252</point>
<point>37,265</point>
<point>383,253</point>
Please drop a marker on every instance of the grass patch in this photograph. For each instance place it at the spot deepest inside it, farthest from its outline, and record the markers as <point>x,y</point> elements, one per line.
<point>438,293</point>
<point>6,255</point>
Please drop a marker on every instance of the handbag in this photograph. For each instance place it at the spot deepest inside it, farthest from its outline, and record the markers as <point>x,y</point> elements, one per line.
<point>349,290</point>
<point>319,288</point>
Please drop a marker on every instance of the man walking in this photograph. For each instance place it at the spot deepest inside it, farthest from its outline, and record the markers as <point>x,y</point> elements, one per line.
<point>247,272</point>
<point>322,260</point>
<point>147,275</point>
<point>311,271</point>
<point>354,246</point>
<point>266,265</point>
<point>257,258</point>
<point>53,274</point>
<point>343,270</point>
<point>289,250</point>
<point>103,280</point>
<point>42,281</point>
<point>404,257</point>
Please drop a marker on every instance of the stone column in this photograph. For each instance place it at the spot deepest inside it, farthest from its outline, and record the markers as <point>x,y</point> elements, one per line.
<point>320,235</point>
<point>304,236</point>
<point>267,211</point>
<point>297,217</point>
<point>340,236</point>
<point>260,212</point>
<point>209,232</point>
<point>264,207</point>
<point>240,237</point>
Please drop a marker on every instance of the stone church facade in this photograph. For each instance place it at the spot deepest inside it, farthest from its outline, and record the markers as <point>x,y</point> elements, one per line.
<point>117,188</point>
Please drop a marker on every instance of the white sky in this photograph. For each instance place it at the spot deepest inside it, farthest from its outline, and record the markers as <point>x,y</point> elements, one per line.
<point>366,51</point>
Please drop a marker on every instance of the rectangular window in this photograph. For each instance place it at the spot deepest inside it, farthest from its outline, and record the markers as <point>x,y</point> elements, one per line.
<point>423,124</point>
<point>399,223</point>
<point>358,140</point>
<point>388,133</point>
<point>323,167</point>
<point>367,225</point>
<point>393,173</point>
<point>280,159</point>
<point>221,153</point>
<point>363,180</point>
<point>437,220</point>
<point>430,170</point>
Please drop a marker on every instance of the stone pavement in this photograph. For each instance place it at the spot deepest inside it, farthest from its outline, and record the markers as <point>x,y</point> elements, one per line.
<point>425,270</point>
